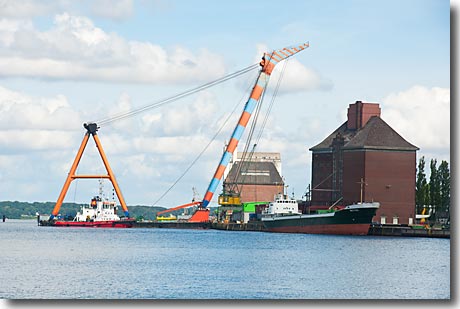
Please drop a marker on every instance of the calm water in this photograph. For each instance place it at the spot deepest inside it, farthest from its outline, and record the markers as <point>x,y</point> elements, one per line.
<point>59,263</point>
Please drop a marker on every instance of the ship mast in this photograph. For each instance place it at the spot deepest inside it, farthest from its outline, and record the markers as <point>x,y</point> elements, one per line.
<point>362,182</point>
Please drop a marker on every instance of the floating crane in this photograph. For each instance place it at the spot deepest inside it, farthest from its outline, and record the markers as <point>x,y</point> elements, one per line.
<point>268,63</point>
<point>91,130</point>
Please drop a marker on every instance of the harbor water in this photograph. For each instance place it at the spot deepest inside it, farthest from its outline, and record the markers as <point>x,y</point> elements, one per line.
<point>154,263</point>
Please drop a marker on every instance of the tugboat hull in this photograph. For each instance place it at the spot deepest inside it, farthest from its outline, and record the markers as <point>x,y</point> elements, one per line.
<point>104,224</point>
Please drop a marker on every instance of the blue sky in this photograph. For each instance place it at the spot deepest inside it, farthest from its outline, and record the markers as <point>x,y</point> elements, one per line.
<point>65,62</point>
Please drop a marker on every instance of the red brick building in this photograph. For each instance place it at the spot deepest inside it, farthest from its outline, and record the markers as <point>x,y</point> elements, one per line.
<point>365,148</point>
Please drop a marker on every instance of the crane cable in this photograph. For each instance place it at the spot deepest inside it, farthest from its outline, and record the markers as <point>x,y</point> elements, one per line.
<point>204,149</point>
<point>248,140</point>
<point>275,93</point>
<point>259,135</point>
<point>177,96</point>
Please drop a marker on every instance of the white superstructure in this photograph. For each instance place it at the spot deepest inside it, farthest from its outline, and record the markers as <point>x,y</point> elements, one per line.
<point>98,210</point>
<point>282,205</point>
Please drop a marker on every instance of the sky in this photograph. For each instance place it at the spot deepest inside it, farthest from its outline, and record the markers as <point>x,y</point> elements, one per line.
<point>65,63</point>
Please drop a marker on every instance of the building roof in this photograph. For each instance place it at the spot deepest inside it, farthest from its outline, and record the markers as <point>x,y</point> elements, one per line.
<point>376,134</point>
<point>327,142</point>
<point>259,156</point>
<point>255,173</point>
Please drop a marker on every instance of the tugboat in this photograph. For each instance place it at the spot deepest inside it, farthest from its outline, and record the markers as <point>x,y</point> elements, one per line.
<point>99,213</point>
<point>282,215</point>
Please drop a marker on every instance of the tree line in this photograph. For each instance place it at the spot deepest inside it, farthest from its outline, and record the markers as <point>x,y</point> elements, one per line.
<point>27,210</point>
<point>435,192</point>
<point>21,210</point>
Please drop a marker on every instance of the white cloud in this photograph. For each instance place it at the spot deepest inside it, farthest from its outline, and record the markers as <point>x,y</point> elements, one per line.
<point>40,136</point>
<point>189,118</point>
<point>297,77</point>
<point>48,124</point>
<point>26,8</point>
<point>76,49</point>
<point>81,29</point>
<point>19,111</point>
<point>32,140</point>
<point>122,107</point>
<point>8,28</point>
<point>171,147</point>
<point>29,124</point>
<point>421,115</point>
<point>117,10</point>
<point>10,165</point>
<point>140,166</point>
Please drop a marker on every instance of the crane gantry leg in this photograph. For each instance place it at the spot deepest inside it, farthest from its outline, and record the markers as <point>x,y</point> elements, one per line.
<point>91,130</point>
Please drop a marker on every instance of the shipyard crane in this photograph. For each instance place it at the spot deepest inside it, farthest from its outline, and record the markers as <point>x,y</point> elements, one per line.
<point>91,130</point>
<point>268,63</point>
<point>93,126</point>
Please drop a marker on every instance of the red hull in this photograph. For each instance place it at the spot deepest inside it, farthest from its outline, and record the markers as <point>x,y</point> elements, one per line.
<point>336,229</point>
<point>105,224</point>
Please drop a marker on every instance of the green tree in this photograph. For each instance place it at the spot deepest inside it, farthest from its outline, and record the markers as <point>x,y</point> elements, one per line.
<point>435,194</point>
<point>444,184</point>
<point>422,196</point>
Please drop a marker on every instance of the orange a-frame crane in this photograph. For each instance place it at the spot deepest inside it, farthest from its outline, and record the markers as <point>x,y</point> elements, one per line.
<point>91,130</point>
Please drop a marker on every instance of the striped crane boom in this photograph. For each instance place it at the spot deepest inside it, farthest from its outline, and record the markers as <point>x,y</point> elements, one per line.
<point>268,63</point>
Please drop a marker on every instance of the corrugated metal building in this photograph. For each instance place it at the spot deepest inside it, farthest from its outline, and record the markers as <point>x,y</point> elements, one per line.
<point>365,149</point>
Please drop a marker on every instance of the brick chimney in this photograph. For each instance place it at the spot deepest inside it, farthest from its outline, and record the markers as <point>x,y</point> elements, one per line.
<point>359,113</point>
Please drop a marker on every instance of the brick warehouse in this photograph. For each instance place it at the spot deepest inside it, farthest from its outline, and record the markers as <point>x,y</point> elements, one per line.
<point>366,148</point>
<point>258,179</point>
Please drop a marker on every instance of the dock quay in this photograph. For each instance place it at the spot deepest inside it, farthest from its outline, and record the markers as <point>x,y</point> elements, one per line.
<point>381,230</point>
<point>172,225</point>
<point>232,226</point>
<point>258,226</point>
<point>407,231</point>
<point>255,226</point>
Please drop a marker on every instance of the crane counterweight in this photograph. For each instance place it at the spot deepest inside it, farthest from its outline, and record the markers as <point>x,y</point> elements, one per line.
<point>91,127</point>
